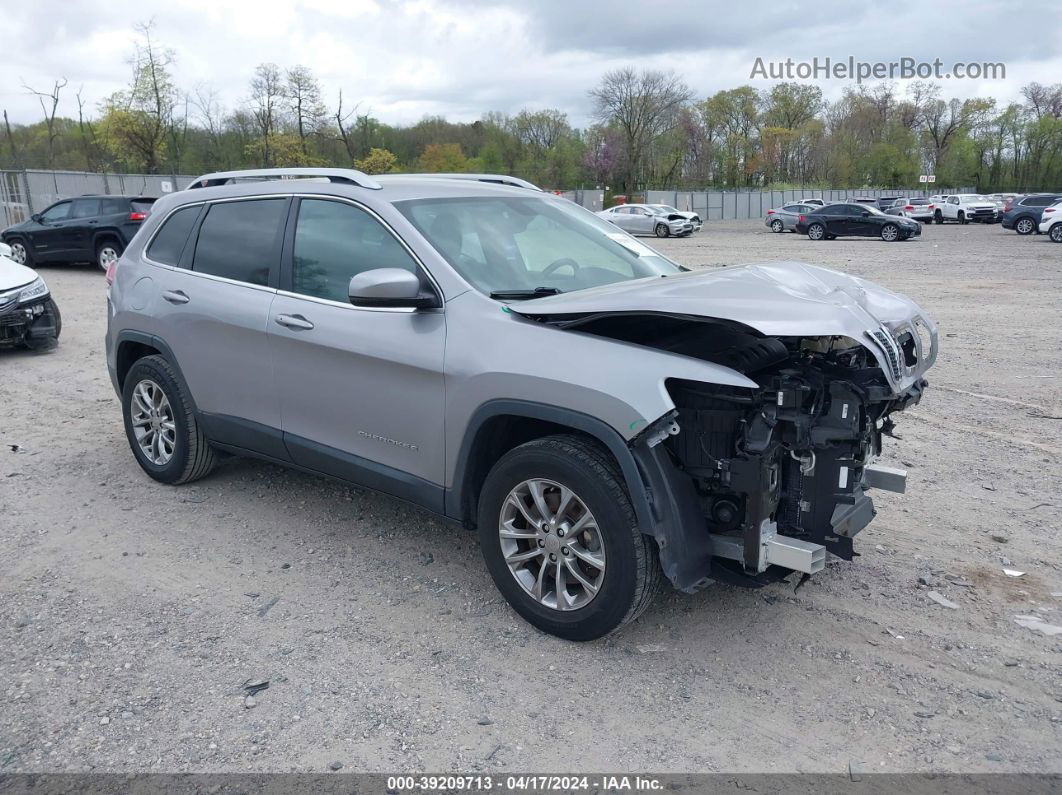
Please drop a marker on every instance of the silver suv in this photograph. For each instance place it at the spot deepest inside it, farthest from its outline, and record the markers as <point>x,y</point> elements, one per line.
<point>604,417</point>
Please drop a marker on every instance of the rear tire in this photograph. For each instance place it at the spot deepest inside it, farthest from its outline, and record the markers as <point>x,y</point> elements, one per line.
<point>938,216</point>
<point>190,456</point>
<point>1055,233</point>
<point>631,574</point>
<point>107,251</point>
<point>816,232</point>
<point>1025,226</point>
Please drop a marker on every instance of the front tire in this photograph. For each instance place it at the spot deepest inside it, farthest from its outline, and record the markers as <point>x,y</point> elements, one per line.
<point>962,218</point>
<point>777,226</point>
<point>890,233</point>
<point>662,230</point>
<point>160,424</point>
<point>20,253</point>
<point>561,541</point>
<point>1025,226</point>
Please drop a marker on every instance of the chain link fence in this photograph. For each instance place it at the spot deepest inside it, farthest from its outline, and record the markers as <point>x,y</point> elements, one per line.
<point>23,193</point>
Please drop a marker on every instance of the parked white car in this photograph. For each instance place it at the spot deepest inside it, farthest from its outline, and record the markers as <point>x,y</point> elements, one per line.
<point>917,207</point>
<point>647,219</point>
<point>28,315</point>
<point>1051,222</point>
<point>692,217</point>
<point>966,207</point>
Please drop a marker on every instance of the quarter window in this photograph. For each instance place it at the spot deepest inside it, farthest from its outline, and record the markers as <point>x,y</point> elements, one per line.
<point>238,240</point>
<point>334,242</point>
<point>168,244</point>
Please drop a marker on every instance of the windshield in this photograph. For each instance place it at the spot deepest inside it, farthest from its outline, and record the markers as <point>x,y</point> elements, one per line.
<point>523,244</point>
<point>663,208</point>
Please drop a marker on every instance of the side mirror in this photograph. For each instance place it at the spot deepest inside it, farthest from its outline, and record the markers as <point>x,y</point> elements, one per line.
<point>390,287</point>
<point>865,213</point>
<point>36,218</point>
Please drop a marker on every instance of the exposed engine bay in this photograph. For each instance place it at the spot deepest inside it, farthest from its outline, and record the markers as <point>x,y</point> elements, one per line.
<point>781,472</point>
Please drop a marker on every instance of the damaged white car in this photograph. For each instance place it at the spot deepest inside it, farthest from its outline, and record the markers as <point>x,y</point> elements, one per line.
<point>29,316</point>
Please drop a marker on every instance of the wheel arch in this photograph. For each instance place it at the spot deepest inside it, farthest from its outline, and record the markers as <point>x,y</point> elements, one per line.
<point>107,233</point>
<point>131,346</point>
<point>498,426</point>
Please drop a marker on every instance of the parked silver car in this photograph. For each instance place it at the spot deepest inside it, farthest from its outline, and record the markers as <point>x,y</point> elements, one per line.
<point>781,219</point>
<point>917,207</point>
<point>647,219</point>
<point>603,417</point>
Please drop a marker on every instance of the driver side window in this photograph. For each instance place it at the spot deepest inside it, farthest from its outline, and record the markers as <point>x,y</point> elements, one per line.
<point>58,212</point>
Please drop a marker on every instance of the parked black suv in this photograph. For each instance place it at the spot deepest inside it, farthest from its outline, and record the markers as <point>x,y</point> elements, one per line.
<point>88,228</point>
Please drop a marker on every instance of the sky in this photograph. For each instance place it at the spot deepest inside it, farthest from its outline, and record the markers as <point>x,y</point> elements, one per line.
<point>405,59</point>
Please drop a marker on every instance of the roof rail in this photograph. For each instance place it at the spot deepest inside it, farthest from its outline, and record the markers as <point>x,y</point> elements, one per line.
<point>500,179</point>
<point>348,176</point>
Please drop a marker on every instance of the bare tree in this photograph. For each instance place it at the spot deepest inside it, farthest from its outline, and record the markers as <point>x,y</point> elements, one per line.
<point>345,134</point>
<point>87,129</point>
<point>49,105</point>
<point>304,101</point>
<point>541,129</point>
<point>211,117</point>
<point>267,95</point>
<point>643,104</point>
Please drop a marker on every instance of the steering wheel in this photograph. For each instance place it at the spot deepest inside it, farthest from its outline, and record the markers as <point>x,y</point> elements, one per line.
<point>560,263</point>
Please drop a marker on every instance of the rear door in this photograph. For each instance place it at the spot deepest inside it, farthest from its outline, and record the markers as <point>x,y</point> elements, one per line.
<point>837,218</point>
<point>361,390</point>
<point>212,311</point>
<point>81,228</point>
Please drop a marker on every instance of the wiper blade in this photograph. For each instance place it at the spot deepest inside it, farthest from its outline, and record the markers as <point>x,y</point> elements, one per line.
<point>519,295</point>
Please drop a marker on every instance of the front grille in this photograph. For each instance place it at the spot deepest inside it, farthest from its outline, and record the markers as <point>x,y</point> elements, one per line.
<point>892,353</point>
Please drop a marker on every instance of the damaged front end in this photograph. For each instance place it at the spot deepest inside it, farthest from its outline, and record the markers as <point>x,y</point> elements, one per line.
<point>29,317</point>
<point>782,472</point>
<point>764,481</point>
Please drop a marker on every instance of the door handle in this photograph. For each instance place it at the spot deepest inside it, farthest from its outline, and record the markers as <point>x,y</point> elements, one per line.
<point>296,322</point>
<point>175,297</point>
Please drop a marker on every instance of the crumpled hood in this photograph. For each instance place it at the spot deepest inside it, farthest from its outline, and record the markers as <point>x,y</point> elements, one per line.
<point>783,299</point>
<point>13,275</point>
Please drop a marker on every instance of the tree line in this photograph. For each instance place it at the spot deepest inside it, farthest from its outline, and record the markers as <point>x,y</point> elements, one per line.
<point>649,130</point>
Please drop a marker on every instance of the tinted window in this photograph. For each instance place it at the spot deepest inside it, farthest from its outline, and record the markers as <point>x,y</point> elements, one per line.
<point>85,208</point>
<point>58,212</point>
<point>169,242</point>
<point>335,241</point>
<point>238,240</point>
<point>1038,201</point>
<point>114,206</point>
<point>142,205</point>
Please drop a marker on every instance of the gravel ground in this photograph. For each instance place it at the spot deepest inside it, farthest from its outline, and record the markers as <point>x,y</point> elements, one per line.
<point>131,613</point>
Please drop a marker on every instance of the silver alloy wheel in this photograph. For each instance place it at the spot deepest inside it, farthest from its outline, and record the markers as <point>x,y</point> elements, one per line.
<point>816,232</point>
<point>1056,233</point>
<point>552,544</point>
<point>777,225</point>
<point>889,233</point>
<point>18,253</point>
<point>107,255</point>
<point>1024,226</point>
<point>152,421</point>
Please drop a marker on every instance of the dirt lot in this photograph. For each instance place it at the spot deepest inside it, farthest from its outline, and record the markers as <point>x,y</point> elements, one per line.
<point>131,613</point>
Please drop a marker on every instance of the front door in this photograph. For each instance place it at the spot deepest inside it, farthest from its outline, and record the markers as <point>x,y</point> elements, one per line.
<point>48,238</point>
<point>361,390</point>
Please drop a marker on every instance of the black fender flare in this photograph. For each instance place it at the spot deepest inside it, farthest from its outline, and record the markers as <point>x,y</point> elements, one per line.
<point>142,338</point>
<point>108,233</point>
<point>664,500</point>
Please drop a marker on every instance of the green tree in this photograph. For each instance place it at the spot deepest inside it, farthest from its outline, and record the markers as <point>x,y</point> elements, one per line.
<point>378,161</point>
<point>443,158</point>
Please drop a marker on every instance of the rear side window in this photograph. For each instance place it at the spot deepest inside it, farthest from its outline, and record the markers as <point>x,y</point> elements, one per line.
<point>238,240</point>
<point>142,205</point>
<point>1039,201</point>
<point>168,244</point>
<point>113,206</point>
<point>85,208</point>
<point>335,241</point>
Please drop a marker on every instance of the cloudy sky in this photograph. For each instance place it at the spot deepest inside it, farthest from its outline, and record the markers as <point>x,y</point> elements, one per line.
<point>404,59</point>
